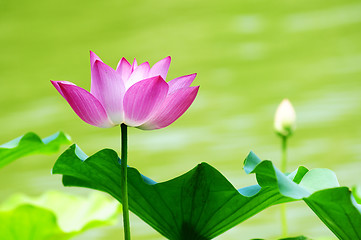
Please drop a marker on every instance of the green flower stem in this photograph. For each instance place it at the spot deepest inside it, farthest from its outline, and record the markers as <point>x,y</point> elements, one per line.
<point>283,169</point>
<point>124,182</point>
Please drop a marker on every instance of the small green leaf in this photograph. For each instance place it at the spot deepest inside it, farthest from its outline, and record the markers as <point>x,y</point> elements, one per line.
<point>269,176</point>
<point>54,216</point>
<point>318,179</point>
<point>319,189</point>
<point>28,222</point>
<point>29,144</point>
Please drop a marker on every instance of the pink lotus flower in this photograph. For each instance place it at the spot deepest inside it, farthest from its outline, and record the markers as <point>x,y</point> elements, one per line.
<point>137,96</point>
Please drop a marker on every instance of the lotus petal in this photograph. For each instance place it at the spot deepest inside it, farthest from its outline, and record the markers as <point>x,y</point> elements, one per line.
<point>181,82</point>
<point>85,105</point>
<point>124,69</point>
<point>143,99</point>
<point>160,68</point>
<point>173,107</point>
<point>140,73</point>
<point>109,89</point>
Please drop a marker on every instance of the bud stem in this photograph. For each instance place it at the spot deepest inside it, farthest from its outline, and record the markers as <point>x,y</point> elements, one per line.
<point>284,154</point>
<point>124,182</point>
<point>283,169</point>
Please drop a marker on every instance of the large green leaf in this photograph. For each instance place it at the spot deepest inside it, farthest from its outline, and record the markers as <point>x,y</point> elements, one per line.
<point>31,143</point>
<point>200,204</point>
<point>54,216</point>
<point>336,208</point>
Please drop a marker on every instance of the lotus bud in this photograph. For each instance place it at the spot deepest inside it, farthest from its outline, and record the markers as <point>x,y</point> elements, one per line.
<point>285,119</point>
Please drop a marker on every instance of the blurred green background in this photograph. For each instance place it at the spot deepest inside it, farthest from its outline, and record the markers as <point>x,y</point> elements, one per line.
<point>249,55</point>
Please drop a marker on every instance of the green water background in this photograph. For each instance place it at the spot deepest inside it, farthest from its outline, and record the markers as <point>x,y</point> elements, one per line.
<point>249,55</point>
